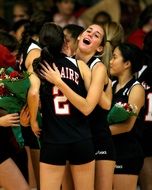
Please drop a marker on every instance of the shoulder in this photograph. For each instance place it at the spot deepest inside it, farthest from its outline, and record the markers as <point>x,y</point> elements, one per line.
<point>84,69</point>
<point>35,53</point>
<point>99,67</point>
<point>33,46</point>
<point>82,65</point>
<point>137,86</point>
<point>137,90</point>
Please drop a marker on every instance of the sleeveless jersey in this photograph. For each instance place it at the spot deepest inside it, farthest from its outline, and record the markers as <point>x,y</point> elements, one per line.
<point>146,80</point>
<point>31,45</point>
<point>128,144</point>
<point>98,118</point>
<point>29,137</point>
<point>62,122</point>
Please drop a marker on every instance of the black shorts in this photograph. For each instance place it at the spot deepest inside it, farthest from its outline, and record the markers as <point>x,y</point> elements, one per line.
<point>8,144</point>
<point>76,153</point>
<point>29,138</point>
<point>131,166</point>
<point>104,147</point>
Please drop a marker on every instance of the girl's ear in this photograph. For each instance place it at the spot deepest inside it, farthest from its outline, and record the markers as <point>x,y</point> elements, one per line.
<point>100,49</point>
<point>127,64</point>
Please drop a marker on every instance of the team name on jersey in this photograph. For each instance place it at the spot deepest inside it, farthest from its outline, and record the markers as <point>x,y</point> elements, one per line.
<point>70,74</point>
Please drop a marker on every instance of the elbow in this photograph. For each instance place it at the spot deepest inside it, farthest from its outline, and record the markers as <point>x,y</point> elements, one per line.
<point>128,129</point>
<point>105,105</point>
<point>108,106</point>
<point>33,93</point>
<point>86,111</point>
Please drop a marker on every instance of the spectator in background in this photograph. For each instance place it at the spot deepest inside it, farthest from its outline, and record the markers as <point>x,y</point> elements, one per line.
<point>130,11</point>
<point>101,18</point>
<point>18,29</point>
<point>144,26</point>
<point>22,10</point>
<point>102,5</point>
<point>65,13</point>
<point>8,41</point>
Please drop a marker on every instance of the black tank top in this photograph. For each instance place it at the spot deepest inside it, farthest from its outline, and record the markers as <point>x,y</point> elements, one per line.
<point>146,81</point>
<point>128,144</point>
<point>98,118</point>
<point>62,122</point>
<point>30,46</point>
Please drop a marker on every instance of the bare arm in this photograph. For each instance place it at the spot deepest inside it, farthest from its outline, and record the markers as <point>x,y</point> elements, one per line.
<point>33,103</point>
<point>106,97</point>
<point>33,93</point>
<point>134,100</point>
<point>85,105</point>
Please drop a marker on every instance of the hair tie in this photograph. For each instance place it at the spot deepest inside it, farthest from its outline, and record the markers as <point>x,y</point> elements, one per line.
<point>108,41</point>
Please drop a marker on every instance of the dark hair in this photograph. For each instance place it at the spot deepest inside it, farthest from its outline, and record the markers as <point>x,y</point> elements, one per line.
<point>8,41</point>
<point>45,56</point>
<point>145,16</point>
<point>51,40</point>
<point>147,48</point>
<point>132,53</point>
<point>18,24</point>
<point>52,37</point>
<point>4,24</point>
<point>74,29</point>
<point>147,60</point>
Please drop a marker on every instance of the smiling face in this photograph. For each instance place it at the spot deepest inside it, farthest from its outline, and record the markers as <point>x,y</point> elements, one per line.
<point>91,39</point>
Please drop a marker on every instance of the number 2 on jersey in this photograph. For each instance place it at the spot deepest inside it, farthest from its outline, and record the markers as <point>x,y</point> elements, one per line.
<point>60,103</point>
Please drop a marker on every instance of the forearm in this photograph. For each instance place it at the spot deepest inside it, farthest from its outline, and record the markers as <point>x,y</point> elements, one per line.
<point>124,127</point>
<point>78,101</point>
<point>33,97</point>
<point>33,104</point>
<point>105,101</point>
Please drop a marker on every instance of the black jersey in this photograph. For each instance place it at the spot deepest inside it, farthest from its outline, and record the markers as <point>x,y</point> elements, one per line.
<point>29,138</point>
<point>30,46</point>
<point>128,144</point>
<point>62,122</point>
<point>146,80</point>
<point>98,118</point>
